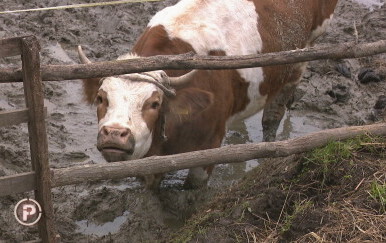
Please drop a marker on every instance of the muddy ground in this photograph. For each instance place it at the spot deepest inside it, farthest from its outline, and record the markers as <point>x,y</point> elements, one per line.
<point>333,194</point>
<point>330,95</point>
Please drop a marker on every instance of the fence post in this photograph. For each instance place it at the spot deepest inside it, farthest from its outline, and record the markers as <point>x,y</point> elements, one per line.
<point>33,90</point>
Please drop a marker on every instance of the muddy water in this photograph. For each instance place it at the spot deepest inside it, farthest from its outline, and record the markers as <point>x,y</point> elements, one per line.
<point>121,209</point>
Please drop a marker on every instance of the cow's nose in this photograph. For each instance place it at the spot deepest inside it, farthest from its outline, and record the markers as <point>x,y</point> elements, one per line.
<point>116,133</point>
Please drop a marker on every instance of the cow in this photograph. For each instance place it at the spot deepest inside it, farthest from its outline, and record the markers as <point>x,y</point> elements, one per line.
<point>167,112</point>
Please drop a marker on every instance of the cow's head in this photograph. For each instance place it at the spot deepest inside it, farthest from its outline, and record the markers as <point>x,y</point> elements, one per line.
<point>130,108</point>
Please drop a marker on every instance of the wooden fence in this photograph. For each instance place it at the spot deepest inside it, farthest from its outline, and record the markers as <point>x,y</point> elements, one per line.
<point>42,178</point>
<point>29,49</point>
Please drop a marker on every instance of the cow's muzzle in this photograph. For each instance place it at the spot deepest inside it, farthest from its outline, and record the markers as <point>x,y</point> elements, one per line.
<point>115,143</point>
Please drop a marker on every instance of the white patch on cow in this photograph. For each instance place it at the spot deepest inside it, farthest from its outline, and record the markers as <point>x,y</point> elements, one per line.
<point>126,100</point>
<point>227,25</point>
<point>320,29</point>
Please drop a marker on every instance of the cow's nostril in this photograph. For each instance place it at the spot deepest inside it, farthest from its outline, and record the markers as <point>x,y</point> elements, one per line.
<point>125,133</point>
<point>105,131</point>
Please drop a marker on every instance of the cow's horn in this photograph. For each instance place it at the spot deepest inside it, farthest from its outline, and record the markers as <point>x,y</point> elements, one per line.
<point>82,56</point>
<point>181,80</point>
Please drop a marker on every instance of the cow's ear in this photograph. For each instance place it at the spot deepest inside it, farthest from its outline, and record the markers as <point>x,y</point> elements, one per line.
<point>189,102</point>
<point>90,89</point>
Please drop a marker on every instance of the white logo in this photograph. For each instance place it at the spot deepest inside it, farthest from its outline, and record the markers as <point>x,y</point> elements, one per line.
<point>28,212</point>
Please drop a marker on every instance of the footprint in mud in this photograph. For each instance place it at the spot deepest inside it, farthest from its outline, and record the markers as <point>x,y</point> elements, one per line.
<point>367,75</point>
<point>343,69</point>
<point>339,92</point>
<point>379,109</point>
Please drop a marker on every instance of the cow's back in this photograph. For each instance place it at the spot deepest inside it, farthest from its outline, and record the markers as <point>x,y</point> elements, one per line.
<point>234,27</point>
<point>239,27</point>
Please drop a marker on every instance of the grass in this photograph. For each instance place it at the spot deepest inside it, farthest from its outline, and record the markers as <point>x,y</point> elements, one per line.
<point>196,226</point>
<point>299,208</point>
<point>328,157</point>
<point>378,193</point>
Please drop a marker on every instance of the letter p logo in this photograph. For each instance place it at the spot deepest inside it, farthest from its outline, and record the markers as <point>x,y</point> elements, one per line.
<point>28,212</point>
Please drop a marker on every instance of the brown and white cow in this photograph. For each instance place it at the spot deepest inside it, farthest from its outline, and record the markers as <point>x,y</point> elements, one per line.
<point>140,115</point>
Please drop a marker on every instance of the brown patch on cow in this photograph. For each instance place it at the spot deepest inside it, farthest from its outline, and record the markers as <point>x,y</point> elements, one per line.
<point>151,109</point>
<point>90,89</point>
<point>189,102</point>
<point>155,41</point>
<point>292,25</point>
<point>102,104</point>
<point>196,117</point>
<point>239,87</point>
<point>325,9</point>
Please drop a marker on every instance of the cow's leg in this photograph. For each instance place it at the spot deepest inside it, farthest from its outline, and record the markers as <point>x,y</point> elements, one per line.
<point>274,112</point>
<point>198,177</point>
<point>152,182</point>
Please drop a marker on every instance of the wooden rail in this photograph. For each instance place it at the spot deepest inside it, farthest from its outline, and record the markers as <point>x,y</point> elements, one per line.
<point>10,47</point>
<point>191,61</point>
<point>22,182</point>
<point>15,117</point>
<point>162,164</point>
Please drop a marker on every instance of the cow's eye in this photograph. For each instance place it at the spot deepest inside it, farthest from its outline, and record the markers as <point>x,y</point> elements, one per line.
<point>155,105</point>
<point>99,100</point>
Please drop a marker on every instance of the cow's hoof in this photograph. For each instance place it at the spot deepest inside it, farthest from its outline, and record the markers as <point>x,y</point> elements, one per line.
<point>192,185</point>
<point>152,182</point>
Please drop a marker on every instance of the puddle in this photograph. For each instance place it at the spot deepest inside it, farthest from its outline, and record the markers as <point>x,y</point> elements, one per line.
<point>90,228</point>
<point>250,131</point>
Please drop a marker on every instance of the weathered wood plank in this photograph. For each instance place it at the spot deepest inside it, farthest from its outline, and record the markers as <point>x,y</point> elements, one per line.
<point>33,89</point>
<point>17,183</point>
<point>223,155</point>
<point>186,61</point>
<point>10,47</point>
<point>15,117</point>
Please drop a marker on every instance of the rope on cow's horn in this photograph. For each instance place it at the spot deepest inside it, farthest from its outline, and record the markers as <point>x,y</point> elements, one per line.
<point>82,5</point>
<point>157,81</point>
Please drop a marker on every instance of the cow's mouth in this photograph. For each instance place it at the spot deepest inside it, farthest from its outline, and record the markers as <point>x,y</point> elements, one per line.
<point>113,154</point>
<point>116,150</point>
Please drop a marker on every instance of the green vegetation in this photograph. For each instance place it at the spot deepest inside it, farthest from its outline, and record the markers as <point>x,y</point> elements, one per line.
<point>299,208</point>
<point>378,193</point>
<point>195,226</point>
<point>327,158</point>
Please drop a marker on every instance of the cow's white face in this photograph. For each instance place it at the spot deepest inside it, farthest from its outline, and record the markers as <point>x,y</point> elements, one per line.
<point>127,113</point>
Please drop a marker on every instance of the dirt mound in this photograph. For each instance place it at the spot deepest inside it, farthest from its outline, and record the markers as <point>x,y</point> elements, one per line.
<point>333,194</point>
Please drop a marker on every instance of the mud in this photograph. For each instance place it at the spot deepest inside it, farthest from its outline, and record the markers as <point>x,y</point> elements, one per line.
<point>312,197</point>
<point>116,210</point>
